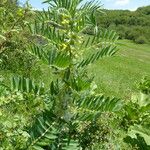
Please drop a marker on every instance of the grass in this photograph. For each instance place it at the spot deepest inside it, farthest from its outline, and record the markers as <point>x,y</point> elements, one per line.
<point>118,75</point>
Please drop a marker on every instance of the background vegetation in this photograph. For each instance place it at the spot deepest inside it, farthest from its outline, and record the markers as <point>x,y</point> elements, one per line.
<point>132,25</point>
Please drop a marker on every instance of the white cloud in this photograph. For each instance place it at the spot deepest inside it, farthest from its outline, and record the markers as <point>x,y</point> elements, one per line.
<point>122,2</point>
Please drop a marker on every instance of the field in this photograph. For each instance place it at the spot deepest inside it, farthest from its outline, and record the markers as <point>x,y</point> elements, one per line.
<point>118,75</point>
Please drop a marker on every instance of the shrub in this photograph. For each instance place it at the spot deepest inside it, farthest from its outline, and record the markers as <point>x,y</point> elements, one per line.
<point>121,29</point>
<point>129,25</point>
<point>132,34</point>
<point>141,40</point>
<point>14,35</point>
<point>66,114</point>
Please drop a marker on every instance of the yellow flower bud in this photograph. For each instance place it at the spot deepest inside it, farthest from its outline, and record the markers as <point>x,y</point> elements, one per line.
<point>20,12</point>
<point>63,46</point>
<point>65,22</point>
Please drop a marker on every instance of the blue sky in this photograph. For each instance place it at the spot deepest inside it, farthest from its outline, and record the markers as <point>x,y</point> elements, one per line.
<point>109,4</point>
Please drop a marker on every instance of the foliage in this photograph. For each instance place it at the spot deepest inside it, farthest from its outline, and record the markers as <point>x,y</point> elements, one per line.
<point>13,37</point>
<point>137,143</point>
<point>137,118</point>
<point>69,114</point>
<point>132,25</point>
<point>144,85</point>
<point>140,40</point>
<point>70,103</point>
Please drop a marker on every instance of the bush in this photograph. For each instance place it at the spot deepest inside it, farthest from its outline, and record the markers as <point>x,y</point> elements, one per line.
<point>121,29</point>
<point>132,33</point>
<point>129,25</point>
<point>141,40</point>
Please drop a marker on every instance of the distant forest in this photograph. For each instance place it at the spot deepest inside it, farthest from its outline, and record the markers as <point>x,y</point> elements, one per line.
<point>132,25</point>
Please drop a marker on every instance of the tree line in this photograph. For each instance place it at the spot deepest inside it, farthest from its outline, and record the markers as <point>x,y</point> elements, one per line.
<point>132,25</point>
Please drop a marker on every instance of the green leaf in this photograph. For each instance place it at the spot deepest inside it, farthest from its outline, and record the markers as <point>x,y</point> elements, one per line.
<point>92,107</point>
<point>104,52</point>
<point>142,131</point>
<point>26,85</point>
<point>138,142</point>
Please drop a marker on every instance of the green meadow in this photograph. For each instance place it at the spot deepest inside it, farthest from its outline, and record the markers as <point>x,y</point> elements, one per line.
<point>119,75</point>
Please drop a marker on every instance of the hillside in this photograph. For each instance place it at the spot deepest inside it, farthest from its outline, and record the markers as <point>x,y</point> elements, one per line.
<point>132,25</point>
<point>118,76</point>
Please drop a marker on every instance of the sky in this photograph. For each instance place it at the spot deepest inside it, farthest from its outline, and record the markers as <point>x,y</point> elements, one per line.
<point>108,4</point>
